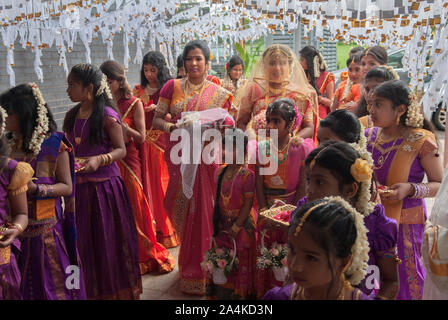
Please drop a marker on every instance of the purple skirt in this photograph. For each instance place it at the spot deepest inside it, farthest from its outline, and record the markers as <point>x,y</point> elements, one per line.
<point>43,264</point>
<point>10,279</point>
<point>107,240</point>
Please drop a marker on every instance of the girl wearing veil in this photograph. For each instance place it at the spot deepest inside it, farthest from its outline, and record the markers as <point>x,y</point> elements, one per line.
<point>278,74</point>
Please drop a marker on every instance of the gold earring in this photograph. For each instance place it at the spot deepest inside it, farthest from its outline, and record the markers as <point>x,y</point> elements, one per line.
<point>398,120</point>
<point>89,96</point>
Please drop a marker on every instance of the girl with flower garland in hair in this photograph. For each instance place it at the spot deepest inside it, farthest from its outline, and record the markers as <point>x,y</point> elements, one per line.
<point>328,253</point>
<point>153,76</point>
<point>233,217</point>
<point>14,179</point>
<point>152,255</point>
<point>373,78</point>
<point>322,81</point>
<point>49,243</point>
<point>338,169</point>
<point>287,183</point>
<point>107,235</point>
<point>347,93</point>
<point>404,149</point>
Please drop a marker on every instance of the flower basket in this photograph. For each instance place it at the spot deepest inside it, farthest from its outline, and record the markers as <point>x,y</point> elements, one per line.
<point>279,215</point>
<point>280,273</point>
<point>219,262</point>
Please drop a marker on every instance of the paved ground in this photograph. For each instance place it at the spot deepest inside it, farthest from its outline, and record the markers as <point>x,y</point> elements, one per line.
<point>165,286</point>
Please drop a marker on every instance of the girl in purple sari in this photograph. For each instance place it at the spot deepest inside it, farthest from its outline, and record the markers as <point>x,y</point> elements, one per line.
<point>404,149</point>
<point>49,242</point>
<point>328,253</point>
<point>14,179</point>
<point>107,235</point>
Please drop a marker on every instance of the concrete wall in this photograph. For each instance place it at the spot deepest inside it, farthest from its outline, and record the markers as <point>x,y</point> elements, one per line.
<point>55,84</point>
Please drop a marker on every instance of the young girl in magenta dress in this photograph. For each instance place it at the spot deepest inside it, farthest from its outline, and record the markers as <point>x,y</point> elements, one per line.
<point>153,76</point>
<point>107,234</point>
<point>287,183</point>
<point>152,255</point>
<point>328,253</point>
<point>234,218</point>
<point>14,179</point>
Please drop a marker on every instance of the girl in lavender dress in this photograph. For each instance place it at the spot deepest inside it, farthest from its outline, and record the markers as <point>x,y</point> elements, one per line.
<point>49,242</point>
<point>14,179</point>
<point>107,235</point>
<point>404,150</point>
<point>328,253</point>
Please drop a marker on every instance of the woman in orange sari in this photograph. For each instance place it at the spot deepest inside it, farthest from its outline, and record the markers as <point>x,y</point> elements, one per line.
<point>154,74</point>
<point>323,81</point>
<point>152,255</point>
<point>192,217</point>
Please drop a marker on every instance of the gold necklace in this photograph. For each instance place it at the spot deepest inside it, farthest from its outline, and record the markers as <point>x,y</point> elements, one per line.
<point>226,198</point>
<point>79,138</point>
<point>382,159</point>
<point>300,295</point>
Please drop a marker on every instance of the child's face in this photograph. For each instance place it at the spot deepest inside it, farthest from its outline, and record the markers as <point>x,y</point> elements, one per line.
<point>325,134</point>
<point>76,91</point>
<point>355,72</point>
<point>114,85</point>
<point>303,63</point>
<point>369,86</point>
<point>232,156</point>
<point>321,183</point>
<point>151,73</point>
<point>12,123</point>
<point>276,122</point>
<point>382,113</point>
<point>308,264</point>
<point>368,63</point>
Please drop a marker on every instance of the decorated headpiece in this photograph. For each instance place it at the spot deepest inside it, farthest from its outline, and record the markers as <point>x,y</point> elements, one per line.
<point>104,87</point>
<point>357,269</point>
<point>414,117</point>
<point>4,115</point>
<point>42,121</point>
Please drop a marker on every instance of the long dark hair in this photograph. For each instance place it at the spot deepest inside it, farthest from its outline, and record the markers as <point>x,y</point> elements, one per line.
<point>194,44</point>
<point>156,59</point>
<point>87,73</point>
<point>228,136</point>
<point>20,101</point>
<point>331,226</point>
<point>380,73</point>
<point>4,146</point>
<point>398,92</point>
<point>309,52</point>
<point>344,124</point>
<point>115,71</point>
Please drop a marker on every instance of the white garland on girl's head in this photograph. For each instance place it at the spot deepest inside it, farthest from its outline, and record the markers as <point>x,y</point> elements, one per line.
<point>393,72</point>
<point>104,87</point>
<point>414,117</point>
<point>42,121</point>
<point>316,63</point>
<point>348,86</point>
<point>360,249</point>
<point>364,204</point>
<point>4,115</point>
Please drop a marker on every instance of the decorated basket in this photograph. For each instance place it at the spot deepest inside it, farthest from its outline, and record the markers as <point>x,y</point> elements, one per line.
<point>278,215</point>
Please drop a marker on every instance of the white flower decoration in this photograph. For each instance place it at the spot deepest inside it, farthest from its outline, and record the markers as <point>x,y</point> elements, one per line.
<point>42,122</point>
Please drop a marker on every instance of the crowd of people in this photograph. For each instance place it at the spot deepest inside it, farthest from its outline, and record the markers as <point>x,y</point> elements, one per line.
<point>104,196</point>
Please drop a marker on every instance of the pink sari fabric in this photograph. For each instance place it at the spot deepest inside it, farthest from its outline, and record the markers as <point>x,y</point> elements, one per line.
<point>192,218</point>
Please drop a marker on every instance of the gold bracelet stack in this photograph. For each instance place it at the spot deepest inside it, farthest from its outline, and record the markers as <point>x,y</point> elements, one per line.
<point>105,159</point>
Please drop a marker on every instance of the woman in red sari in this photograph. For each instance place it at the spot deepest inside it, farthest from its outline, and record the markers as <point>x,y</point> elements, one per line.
<point>154,75</point>
<point>152,255</point>
<point>192,217</point>
<point>323,81</point>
